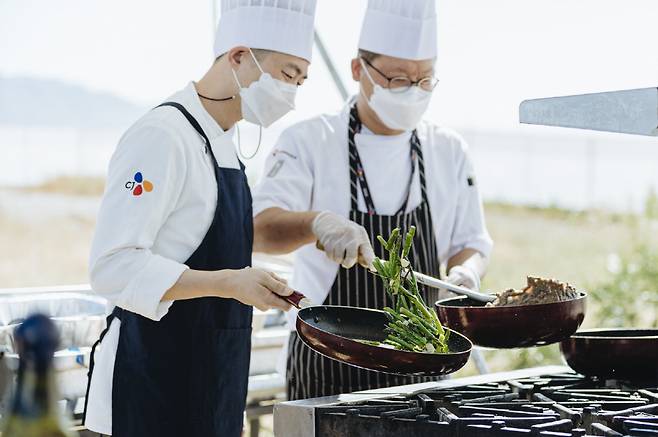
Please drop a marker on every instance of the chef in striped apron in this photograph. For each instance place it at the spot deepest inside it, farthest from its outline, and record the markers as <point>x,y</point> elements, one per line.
<point>343,179</point>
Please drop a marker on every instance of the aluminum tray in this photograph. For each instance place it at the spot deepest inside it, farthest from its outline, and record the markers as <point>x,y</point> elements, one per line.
<point>79,318</point>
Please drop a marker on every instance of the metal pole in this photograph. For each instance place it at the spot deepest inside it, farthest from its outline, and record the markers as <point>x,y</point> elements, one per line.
<point>479,361</point>
<point>213,3</point>
<point>338,81</point>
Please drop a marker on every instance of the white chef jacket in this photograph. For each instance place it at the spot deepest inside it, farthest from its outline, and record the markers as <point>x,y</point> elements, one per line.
<point>142,241</point>
<point>308,170</point>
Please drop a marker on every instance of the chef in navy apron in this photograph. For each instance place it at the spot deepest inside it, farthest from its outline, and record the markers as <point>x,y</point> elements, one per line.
<point>172,249</point>
<point>342,179</point>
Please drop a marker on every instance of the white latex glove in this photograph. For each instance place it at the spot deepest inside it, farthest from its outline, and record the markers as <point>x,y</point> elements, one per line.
<point>465,277</point>
<point>344,241</point>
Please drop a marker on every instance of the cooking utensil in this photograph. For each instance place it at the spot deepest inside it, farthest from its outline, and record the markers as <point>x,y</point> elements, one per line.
<point>335,331</point>
<point>622,353</point>
<point>512,326</point>
<point>437,283</point>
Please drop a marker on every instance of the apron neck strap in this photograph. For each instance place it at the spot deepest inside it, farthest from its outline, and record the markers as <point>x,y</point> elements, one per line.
<point>358,176</point>
<point>415,145</point>
<point>197,127</point>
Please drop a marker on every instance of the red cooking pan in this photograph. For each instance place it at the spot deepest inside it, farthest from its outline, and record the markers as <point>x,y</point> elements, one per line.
<point>505,326</point>
<point>512,326</point>
<point>335,331</point>
<point>622,353</point>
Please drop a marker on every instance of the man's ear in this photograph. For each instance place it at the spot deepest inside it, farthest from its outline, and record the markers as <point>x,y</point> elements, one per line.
<point>356,69</point>
<point>236,55</point>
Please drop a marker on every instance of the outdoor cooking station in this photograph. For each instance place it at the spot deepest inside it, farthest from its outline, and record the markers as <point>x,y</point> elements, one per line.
<point>546,401</point>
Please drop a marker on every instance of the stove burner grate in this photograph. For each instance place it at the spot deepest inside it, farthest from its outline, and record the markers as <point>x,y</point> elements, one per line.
<point>563,405</point>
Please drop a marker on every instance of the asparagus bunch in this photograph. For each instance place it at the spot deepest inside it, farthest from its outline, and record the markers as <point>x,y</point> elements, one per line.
<point>412,326</point>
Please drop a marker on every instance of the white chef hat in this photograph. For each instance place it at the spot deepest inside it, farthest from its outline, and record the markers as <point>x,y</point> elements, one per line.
<point>284,26</point>
<point>400,28</point>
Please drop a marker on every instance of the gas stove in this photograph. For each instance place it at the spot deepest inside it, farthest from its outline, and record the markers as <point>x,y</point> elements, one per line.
<point>546,401</point>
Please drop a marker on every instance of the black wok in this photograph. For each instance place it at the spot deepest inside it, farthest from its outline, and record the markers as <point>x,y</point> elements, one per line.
<point>623,353</point>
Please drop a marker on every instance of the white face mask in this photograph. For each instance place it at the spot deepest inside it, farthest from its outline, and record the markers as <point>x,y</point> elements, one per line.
<point>399,111</point>
<point>267,99</point>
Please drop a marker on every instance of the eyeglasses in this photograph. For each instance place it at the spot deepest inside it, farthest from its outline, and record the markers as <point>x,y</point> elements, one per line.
<point>400,84</point>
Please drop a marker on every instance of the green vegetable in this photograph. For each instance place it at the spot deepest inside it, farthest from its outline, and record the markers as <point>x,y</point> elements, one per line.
<point>401,344</point>
<point>413,326</point>
<point>369,342</point>
<point>408,242</point>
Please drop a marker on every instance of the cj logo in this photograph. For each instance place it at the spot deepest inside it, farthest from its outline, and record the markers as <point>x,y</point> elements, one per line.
<point>139,185</point>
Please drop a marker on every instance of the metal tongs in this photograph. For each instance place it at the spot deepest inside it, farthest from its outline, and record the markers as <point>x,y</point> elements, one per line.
<point>437,283</point>
<point>300,301</point>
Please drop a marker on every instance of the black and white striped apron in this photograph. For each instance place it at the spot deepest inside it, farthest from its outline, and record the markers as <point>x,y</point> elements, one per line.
<point>310,374</point>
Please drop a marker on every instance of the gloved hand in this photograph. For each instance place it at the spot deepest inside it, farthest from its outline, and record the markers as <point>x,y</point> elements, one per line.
<point>465,277</point>
<point>344,241</point>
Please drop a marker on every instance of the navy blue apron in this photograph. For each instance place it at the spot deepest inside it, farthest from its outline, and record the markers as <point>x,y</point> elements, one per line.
<point>187,374</point>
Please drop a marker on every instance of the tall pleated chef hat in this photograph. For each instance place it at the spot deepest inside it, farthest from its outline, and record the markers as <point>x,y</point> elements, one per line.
<point>400,28</point>
<point>284,26</point>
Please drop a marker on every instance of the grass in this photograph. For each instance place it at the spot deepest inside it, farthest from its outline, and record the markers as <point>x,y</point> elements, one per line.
<point>41,253</point>
<point>572,247</point>
<point>70,185</point>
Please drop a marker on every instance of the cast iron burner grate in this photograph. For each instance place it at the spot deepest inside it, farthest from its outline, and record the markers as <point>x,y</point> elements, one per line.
<point>560,405</point>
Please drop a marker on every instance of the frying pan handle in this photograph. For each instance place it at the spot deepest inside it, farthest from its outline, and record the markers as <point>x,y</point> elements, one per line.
<point>294,299</point>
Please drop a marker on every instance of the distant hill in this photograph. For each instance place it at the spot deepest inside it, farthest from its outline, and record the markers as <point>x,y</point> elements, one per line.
<point>32,102</point>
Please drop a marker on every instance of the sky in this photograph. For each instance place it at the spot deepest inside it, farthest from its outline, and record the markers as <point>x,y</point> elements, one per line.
<point>492,53</point>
